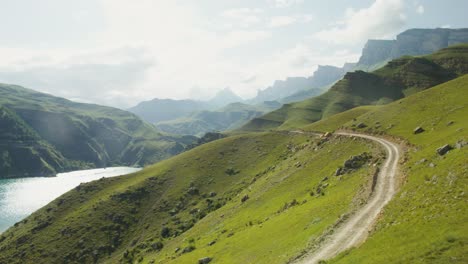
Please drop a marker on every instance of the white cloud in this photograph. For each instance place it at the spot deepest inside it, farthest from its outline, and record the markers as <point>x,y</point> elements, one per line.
<point>243,17</point>
<point>420,9</point>
<point>166,49</point>
<point>382,19</point>
<point>286,3</point>
<point>281,21</point>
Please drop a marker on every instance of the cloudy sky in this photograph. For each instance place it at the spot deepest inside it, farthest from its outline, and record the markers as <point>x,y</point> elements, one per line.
<point>120,52</point>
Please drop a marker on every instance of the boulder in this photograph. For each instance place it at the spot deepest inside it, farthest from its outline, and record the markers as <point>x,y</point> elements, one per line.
<point>245,198</point>
<point>444,149</point>
<point>361,125</point>
<point>460,144</point>
<point>204,260</point>
<point>418,130</point>
<point>339,171</point>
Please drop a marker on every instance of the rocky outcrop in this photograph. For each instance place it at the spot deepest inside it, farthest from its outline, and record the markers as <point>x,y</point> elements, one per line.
<point>444,149</point>
<point>326,74</point>
<point>411,42</point>
<point>376,51</point>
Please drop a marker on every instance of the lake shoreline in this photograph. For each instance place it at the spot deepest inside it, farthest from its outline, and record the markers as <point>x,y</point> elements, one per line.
<point>20,197</point>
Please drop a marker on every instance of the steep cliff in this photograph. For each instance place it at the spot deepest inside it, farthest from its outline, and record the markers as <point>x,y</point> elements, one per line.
<point>412,42</point>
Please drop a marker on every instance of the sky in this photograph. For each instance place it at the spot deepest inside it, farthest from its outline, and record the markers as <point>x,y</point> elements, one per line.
<point>121,52</point>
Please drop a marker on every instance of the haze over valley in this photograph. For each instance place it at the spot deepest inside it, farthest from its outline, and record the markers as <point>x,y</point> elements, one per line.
<point>265,131</point>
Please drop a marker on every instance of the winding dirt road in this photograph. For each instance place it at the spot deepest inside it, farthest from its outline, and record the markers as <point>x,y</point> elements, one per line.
<point>355,230</point>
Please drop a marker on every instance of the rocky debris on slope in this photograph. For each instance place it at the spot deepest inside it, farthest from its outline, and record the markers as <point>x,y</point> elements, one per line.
<point>444,149</point>
<point>353,163</point>
<point>418,130</point>
<point>204,260</point>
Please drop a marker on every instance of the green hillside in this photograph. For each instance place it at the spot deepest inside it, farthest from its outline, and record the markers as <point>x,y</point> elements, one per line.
<point>427,220</point>
<point>231,199</point>
<point>229,117</point>
<point>75,135</point>
<point>399,78</point>
<point>265,197</point>
<point>20,145</point>
<point>253,197</point>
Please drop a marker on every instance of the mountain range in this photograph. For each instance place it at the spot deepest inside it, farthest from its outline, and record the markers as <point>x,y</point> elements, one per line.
<point>283,191</point>
<point>397,79</point>
<point>196,117</point>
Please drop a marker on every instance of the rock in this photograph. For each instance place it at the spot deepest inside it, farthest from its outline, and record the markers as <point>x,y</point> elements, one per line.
<point>444,149</point>
<point>339,171</point>
<point>361,125</point>
<point>212,194</point>
<point>327,134</point>
<point>188,249</point>
<point>193,191</point>
<point>212,243</point>
<point>450,123</point>
<point>355,162</point>
<point>418,130</point>
<point>432,165</point>
<point>421,161</point>
<point>204,260</point>
<point>460,144</point>
<point>165,232</point>
<point>245,198</point>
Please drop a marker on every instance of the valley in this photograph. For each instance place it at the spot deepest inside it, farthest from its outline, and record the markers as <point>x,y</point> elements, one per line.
<point>366,162</point>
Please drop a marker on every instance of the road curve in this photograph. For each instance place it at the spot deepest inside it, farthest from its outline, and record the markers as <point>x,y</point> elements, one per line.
<point>356,228</point>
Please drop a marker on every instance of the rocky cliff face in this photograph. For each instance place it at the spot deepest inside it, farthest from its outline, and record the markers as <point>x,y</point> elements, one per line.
<point>326,75</point>
<point>412,42</point>
<point>298,87</point>
<point>376,51</point>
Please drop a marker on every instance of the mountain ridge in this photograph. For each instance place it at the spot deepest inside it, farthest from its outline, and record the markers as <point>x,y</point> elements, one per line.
<point>79,135</point>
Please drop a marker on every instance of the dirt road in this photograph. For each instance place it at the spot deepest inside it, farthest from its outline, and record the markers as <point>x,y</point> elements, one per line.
<point>356,228</point>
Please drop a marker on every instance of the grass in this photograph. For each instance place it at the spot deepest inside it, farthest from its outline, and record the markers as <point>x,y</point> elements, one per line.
<point>194,198</point>
<point>427,220</point>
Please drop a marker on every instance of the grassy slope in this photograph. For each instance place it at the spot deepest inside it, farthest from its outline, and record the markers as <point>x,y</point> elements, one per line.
<point>399,78</point>
<point>121,219</point>
<point>427,222</point>
<point>86,133</point>
<point>22,150</point>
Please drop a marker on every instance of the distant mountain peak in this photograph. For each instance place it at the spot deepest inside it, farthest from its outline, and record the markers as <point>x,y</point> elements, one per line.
<point>225,97</point>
